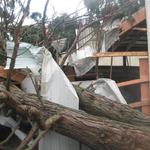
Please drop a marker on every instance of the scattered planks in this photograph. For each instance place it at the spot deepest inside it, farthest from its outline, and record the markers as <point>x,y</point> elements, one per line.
<point>120,54</point>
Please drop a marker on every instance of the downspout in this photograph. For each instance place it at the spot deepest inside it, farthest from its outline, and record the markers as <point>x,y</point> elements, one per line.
<point>147,6</point>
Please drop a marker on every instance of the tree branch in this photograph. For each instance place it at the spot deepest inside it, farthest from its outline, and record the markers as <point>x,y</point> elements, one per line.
<point>45,33</point>
<point>16,41</point>
<point>49,122</point>
<point>29,137</point>
<point>72,47</point>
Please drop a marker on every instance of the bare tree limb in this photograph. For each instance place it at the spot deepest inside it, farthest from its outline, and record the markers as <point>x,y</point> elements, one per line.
<point>49,122</point>
<point>43,24</point>
<point>29,137</point>
<point>16,41</point>
<point>72,47</point>
<point>36,86</point>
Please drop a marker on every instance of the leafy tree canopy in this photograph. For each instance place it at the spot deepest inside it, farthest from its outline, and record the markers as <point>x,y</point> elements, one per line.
<point>62,27</point>
<point>36,16</point>
<point>120,7</point>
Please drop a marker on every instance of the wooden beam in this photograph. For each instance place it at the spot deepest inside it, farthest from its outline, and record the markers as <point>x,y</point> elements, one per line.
<point>132,82</point>
<point>140,29</point>
<point>139,104</point>
<point>17,76</point>
<point>138,17</point>
<point>120,54</point>
<point>144,88</point>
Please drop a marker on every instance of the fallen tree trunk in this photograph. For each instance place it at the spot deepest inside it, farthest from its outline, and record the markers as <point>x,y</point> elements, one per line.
<point>101,106</point>
<point>98,133</point>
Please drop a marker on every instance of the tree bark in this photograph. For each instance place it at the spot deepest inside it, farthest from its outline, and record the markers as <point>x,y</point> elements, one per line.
<point>98,133</point>
<point>101,106</point>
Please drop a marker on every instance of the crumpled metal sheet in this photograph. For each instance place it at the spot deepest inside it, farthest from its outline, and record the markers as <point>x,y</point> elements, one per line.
<point>104,87</point>
<point>81,59</point>
<point>54,86</point>
<point>110,35</point>
<point>59,44</point>
<point>28,56</point>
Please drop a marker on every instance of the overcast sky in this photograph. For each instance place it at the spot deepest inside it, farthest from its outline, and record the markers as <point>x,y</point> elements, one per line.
<point>60,6</point>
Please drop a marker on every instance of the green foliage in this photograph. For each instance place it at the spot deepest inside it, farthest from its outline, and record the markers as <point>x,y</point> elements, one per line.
<point>36,16</point>
<point>120,7</point>
<point>2,58</point>
<point>6,16</point>
<point>64,27</point>
<point>61,27</point>
<point>2,53</point>
<point>93,5</point>
<point>128,8</point>
<point>31,34</point>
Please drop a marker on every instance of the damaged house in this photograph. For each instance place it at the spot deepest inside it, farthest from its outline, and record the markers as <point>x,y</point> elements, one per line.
<point>87,100</point>
<point>123,58</point>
